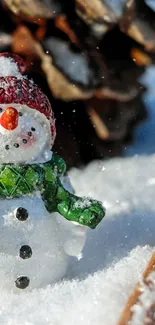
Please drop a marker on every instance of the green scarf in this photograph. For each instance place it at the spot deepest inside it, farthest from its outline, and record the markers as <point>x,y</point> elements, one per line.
<point>21,180</point>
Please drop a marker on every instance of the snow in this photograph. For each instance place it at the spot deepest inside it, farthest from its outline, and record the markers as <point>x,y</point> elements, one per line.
<point>9,68</point>
<point>88,301</point>
<point>97,286</point>
<point>85,203</point>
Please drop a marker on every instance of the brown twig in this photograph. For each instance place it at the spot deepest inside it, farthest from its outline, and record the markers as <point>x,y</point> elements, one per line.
<point>127,313</point>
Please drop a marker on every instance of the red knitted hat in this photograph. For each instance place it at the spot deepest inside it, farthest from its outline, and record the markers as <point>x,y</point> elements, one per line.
<point>15,88</point>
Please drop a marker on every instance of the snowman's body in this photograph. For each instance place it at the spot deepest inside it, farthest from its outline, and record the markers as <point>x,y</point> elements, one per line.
<point>41,233</point>
<point>45,235</point>
<point>49,237</point>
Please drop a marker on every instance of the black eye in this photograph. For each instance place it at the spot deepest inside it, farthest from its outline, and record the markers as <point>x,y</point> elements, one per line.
<point>33,129</point>
<point>24,141</point>
<point>16,145</point>
<point>7,147</point>
<point>20,114</point>
<point>30,134</point>
<point>1,110</point>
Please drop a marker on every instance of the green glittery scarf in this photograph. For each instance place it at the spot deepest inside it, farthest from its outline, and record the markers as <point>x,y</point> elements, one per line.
<point>21,180</point>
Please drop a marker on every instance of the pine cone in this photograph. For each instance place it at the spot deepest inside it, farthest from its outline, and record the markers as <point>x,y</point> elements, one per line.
<point>89,51</point>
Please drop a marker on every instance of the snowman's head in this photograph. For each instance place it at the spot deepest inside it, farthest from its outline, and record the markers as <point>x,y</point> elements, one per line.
<point>27,125</point>
<point>25,134</point>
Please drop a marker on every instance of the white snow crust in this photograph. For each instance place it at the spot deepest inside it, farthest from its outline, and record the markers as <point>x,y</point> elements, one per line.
<point>97,286</point>
<point>9,68</point>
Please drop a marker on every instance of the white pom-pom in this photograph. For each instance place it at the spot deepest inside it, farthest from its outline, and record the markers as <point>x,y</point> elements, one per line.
<point>9,68</point>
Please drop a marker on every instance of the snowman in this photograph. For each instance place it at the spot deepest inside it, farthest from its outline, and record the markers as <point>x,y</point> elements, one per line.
<point>42,222</point>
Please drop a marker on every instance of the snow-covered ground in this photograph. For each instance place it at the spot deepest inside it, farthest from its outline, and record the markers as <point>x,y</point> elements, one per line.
<point>97,286</point>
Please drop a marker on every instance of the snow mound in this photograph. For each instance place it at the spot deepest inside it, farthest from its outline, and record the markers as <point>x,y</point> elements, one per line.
<point>121,184</point>
<point>9,68</point>
<point>126,186</point>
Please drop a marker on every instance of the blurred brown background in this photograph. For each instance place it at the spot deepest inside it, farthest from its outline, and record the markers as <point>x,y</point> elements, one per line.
<point>87,56</point>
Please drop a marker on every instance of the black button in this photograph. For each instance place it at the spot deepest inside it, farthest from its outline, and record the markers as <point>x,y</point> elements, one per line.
<point>25,252</point>
<point>22,282</point>
<point>21,214</point>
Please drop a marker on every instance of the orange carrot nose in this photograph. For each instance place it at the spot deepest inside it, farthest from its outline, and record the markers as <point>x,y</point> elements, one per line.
<point>9,119</point>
